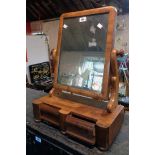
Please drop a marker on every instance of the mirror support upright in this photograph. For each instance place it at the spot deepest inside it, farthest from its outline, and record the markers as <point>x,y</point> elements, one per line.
<point>53,90</point>
<point>114,82</point>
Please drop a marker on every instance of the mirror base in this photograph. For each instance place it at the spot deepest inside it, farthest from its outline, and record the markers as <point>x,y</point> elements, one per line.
<point>87,124</point>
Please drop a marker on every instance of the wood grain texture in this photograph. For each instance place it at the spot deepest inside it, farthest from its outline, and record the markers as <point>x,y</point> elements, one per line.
<point>114,83</point>
<point>91,125</point>
<point>85,123</point>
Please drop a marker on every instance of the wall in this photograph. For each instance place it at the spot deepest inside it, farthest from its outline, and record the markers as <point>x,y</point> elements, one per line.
<point>49,28</point>
<point>122,33</point>
<point>28,28</point>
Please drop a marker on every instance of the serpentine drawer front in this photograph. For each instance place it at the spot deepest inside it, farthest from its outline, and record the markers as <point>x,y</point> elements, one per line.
<point>80,128</point>
<point>50,113</point>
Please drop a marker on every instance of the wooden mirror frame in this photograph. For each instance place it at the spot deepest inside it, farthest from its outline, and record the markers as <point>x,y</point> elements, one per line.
<point>104,95</point>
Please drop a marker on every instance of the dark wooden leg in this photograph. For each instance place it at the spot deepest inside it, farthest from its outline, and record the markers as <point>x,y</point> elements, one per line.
<point>63,115</point>
<point>36,112</point>
<point>102,137</point>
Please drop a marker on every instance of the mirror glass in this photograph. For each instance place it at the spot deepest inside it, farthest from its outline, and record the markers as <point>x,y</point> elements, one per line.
<point>82,52</point>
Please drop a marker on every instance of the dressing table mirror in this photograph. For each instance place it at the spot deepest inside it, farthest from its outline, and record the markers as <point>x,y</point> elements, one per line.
<point>85,76</point>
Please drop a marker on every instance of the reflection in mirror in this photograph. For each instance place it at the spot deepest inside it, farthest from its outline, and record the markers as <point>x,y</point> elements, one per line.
<point>82,52</point>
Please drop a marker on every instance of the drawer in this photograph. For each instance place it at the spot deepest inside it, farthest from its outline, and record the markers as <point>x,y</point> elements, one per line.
<point>50,114</point>
<point>80,128</point>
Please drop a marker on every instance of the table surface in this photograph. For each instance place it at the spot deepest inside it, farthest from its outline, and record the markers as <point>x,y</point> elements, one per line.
<point>120,145</point>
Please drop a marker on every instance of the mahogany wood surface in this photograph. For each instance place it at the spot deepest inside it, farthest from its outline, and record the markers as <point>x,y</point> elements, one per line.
<point>89,124</point>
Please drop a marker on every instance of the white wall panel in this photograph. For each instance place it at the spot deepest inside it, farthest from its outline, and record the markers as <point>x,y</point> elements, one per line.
<point>37,51</point>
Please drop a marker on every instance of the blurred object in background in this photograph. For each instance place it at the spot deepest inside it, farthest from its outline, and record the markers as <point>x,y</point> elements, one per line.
<point>52,59</point>
<point>123,64</point>
<point>40,77</point>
